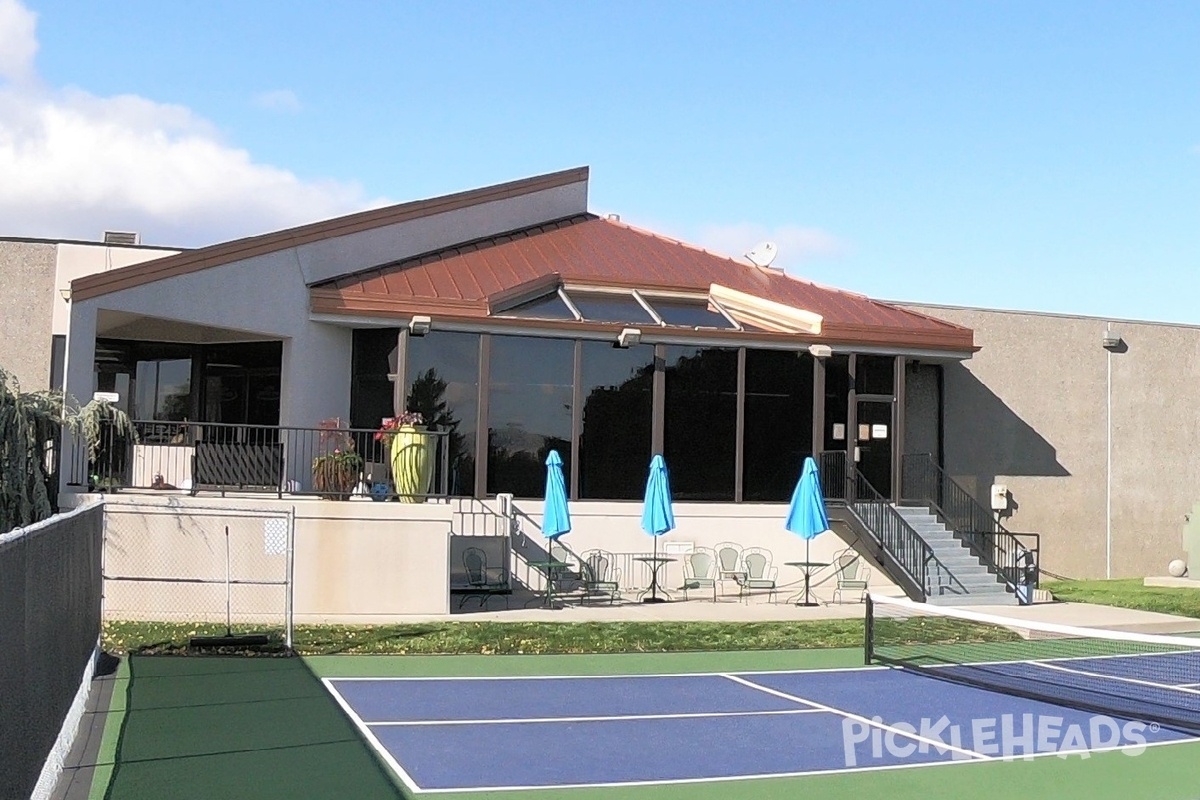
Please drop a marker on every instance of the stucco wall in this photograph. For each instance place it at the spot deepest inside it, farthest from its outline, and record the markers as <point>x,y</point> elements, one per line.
<point>1030,410</point>
<point>26,306</point>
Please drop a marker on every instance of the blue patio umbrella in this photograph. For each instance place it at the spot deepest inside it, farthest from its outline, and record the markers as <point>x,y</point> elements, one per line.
<point>657,515</point>
<point>556,519</point>
<point>806,514</point>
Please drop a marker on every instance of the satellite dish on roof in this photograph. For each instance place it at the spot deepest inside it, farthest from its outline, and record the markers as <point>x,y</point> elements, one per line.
<point>762,254</point>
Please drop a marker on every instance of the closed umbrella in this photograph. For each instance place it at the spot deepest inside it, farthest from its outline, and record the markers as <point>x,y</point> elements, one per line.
<point>806,514</point>
<point>556,518</point>
<point>657,515</point>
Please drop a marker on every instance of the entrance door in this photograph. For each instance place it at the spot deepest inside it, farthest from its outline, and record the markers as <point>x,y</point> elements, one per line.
<point>873,445</point>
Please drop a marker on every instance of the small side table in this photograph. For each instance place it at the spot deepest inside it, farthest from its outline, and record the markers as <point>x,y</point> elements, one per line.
<point>808,567</point>
<point>549,568</point>
<point>656,563</point>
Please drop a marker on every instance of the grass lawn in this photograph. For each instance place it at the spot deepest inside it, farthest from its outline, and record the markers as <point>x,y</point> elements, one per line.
<point>1129,593</point>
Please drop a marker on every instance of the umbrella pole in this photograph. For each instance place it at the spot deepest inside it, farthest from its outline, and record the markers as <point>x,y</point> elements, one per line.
<point>654,572</point>
<point>807,571</point>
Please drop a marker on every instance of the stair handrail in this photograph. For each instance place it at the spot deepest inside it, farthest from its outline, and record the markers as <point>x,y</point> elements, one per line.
<point>841,480</point>
<point>924,482</point>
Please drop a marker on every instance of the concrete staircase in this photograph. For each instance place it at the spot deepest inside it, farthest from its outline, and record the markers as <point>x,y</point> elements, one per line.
<point>956,577</point>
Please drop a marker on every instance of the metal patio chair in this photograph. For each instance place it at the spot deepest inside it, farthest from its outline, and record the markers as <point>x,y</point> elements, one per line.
<point>599,575</point>
<point>700,571</point>
<point>853,576</point>
<point>760,574</point>
<point>483,581</point>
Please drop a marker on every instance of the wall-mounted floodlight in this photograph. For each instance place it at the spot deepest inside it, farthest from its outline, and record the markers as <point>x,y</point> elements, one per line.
<point>66,293</point>
<point>1112,340</point>
<point>628,337</point>
<point>420,326</point>
<point>820,350</point>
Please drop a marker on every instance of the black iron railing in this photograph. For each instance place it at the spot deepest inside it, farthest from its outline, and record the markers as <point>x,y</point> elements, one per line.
<point>841,480</point>
<point>336,463</point>
<point>1012,556</point>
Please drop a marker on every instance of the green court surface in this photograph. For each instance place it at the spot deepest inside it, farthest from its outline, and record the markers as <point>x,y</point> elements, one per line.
<point>219,727</point>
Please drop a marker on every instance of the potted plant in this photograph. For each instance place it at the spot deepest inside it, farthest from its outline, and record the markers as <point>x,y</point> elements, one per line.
<point>336,470</point>
<point>411,448</point>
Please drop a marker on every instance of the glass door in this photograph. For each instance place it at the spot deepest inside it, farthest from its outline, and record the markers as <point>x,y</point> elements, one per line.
<point>873,444</point>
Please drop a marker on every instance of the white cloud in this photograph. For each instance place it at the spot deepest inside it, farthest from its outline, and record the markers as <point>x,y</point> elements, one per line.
<point>17,42</point>
<point>278,100</point>
<point>796,243</point>
<point>75,165</point>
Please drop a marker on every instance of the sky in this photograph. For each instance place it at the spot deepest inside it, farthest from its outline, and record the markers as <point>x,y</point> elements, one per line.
<point>1025,155</point>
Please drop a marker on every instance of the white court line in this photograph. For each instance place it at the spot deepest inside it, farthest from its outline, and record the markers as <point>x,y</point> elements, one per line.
<point>383,752</point>
<point>858,717</point>
<point>797,671</point>
<point>522,720</point>
<point>1137,681</point>
<point>797,774</point>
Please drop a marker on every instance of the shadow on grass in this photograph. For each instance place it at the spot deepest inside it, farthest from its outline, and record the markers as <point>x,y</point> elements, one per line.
<point>222,726</point>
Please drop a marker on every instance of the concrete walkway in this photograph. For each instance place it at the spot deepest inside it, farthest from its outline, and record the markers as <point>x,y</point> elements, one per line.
<point>758,610</point>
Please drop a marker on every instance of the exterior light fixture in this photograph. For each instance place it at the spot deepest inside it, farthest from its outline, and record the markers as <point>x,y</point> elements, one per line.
<point>66,293</point>
<point>1112,340</point>
<point>628,337</point>
<point>420,326</point>
<point>820,350</point>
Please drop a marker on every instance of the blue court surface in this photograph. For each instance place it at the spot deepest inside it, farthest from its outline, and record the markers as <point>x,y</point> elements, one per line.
<point>479,734</point>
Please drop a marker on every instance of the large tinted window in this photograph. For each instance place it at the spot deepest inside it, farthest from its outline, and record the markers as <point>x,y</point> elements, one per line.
<point>374,359</point>
<point>778,426</point>
<point>873,374</point>
<point>529,411</point>
<point>700,423</point>
<point>611,308</point>
<point>614,446</point>
<point>443,384</point>
<point>837,391</point>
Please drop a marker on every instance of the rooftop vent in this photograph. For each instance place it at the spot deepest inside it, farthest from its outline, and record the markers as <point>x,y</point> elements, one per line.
<point>121,237</point>
<point>615,217</point>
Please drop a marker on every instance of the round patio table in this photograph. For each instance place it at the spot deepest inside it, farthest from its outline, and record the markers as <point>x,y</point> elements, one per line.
<point>808,567</point>
<point>656,563</point>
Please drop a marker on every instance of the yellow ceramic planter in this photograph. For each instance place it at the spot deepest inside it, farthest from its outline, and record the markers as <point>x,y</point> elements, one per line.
<point>412,463</point>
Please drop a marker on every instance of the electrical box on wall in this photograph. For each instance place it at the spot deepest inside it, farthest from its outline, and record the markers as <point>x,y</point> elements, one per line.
<point>999,497</point>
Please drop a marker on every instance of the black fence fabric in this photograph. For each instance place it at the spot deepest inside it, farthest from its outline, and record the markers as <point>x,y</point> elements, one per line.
<point>50,591</point>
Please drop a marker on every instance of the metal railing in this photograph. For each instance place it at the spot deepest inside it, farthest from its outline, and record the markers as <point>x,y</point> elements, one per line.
<point>841,480</point>
<point>1012,556</point>
<point>334,463</point>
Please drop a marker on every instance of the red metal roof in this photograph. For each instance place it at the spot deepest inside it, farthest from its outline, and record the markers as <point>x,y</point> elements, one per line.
<point>589,250</point>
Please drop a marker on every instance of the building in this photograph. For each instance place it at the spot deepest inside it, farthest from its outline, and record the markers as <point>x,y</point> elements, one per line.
<point>518,322</point>
<point>34,305</point>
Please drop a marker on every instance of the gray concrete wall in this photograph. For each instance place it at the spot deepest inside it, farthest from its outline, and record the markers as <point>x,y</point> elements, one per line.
<point>1031,410</point>
<point>27,299</point>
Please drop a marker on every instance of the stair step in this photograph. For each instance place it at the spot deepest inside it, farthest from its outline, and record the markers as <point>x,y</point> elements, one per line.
<point>974,600</point>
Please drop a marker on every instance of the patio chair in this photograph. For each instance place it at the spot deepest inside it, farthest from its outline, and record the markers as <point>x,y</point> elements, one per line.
<point>759,572</point>
<point>729,564</point>
<point>700,571</point>
<point>599,575</point>
<point>483,581</point>
<point>853,575</point>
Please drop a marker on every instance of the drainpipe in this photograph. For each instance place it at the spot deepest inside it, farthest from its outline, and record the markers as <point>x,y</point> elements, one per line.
<point>1108,461</point>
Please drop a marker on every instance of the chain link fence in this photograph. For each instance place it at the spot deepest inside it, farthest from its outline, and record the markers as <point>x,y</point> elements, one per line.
<point>49,629</point>
<point>202,565</point>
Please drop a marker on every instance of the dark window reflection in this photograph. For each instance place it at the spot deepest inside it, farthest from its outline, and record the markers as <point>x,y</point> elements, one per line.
<point>550,306</point>
<point>700,426</point>
<point>614,446</point>
<point>611,308</point>
<point>778,426</point>
<point>443,384</point>
<point>371,390</point>
<point>873,374</point>
<point>529,411</point>
<point>692,315</point>
<point>837,389</point>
